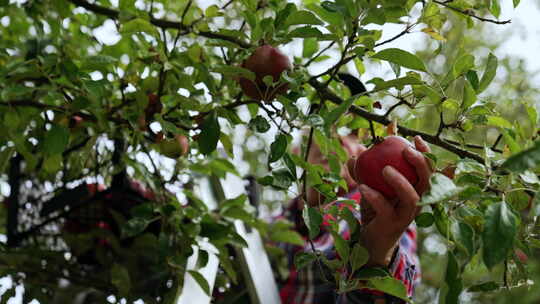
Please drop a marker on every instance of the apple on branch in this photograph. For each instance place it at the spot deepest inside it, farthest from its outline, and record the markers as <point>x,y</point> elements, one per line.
<point>389,152</point>
<point>172,147</point>
<point>154,106</point>
<point>265,61</point>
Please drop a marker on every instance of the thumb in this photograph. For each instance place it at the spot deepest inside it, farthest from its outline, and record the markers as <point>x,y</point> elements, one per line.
<point>351,166</point>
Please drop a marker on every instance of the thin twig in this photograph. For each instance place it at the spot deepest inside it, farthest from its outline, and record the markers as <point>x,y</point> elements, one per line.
<point>319,54</point>
<point>405,31</point>
<point>496,142</point>
<point>151,11</point>
<point>188,5</point>
<point>372,130</point>
<point>441,124</point>
<point>470,13</point>
<point>227,4</point>
<point>402,101</point>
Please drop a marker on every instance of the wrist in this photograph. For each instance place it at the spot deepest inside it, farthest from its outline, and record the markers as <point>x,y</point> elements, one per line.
<point>381,250</point>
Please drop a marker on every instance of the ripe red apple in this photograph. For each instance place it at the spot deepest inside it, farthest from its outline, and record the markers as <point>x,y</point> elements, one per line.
<point>75,121</point>
<point>154,106</point>
<point>389,152</point>
<point>265,61</point>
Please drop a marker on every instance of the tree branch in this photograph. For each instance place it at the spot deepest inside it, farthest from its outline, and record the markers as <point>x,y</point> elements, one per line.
<point>37,105</point>
<point>319,54</point>
<point>405,31</point>
<point>326,94</point>
<point>470,13</point>
<point>14,179</point>
<point>162,23</point>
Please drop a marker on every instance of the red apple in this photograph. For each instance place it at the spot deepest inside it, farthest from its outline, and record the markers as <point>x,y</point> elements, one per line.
<point>184,143</point>
<point>154,106</point>
<point>75,121</point>
<point>265,61</point>
<point>389,152</point>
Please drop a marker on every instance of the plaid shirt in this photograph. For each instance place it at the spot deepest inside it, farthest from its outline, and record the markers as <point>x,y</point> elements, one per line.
<point>308,284</point>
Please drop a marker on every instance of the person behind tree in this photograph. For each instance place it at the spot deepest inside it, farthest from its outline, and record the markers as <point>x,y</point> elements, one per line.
<point>387,231</point>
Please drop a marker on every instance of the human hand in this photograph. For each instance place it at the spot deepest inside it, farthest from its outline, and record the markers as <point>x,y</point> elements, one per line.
<point>384,221</point>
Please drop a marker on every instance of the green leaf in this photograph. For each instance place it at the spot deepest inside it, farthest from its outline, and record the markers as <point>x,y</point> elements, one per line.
<point>499,233</point>
<point>227,265</point>
<point>53,163</point>
<point>342,246</point>
<point>199,278</point>
<point>424,90</point>
<point>472,77</point>
<point>98,62</point>
<point>282,179</point>
<point>315,120</point>
<point>452,280</point>
<point>398,82</point>
<point>371,272</point>
<point>120,279</point>
<point>442,188</point>
<point>310,46</point>
<point>424,219</point>
<point>337,112</point>
<point>259,124</point>
<point>313,220</point>
<point>498,121</point>
<point>462,65</point>
<point>305,32</point>
<point>212,11</point>
<point>441,220</point>
<point>533,114</point>
<point>290,165</point>
<point>210,132</point>
<point>134,227</point>
<point>286,236</point>
<point>138,25</point>
<point>527,159</point>
<point>359,257</point>
<point>266,180</point>
<point>332,17</point>
<point>56,140</point>
<point>303,17</point>
<point>278,148</point>
<point>516,3</point>
<point>303,259</point>
<point>489,73</point>
<point>495,8</point>
<point>349,217</point>
<point>510,141</point>
<point>235,71</point>
<point>402,58</point>
<point>463,234</point>
<point>389,286</point>
<point>469,95</point>
<point>484,287</point>
<point>221,166</point>
<point>5,156</point>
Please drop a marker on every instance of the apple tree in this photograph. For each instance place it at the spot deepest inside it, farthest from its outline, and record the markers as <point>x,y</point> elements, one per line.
<point>113,111</point>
